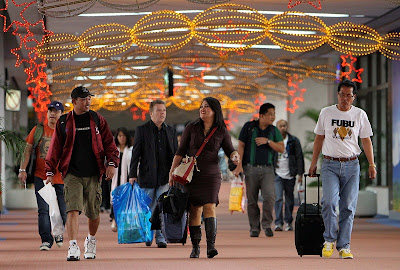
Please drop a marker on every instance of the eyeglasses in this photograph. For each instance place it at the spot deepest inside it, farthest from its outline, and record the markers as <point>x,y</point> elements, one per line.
<point>342,95</point>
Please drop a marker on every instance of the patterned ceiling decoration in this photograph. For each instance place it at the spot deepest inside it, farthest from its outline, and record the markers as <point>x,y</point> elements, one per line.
<point>68,8</point>
<point>140,64</point>
<point>167,31</point>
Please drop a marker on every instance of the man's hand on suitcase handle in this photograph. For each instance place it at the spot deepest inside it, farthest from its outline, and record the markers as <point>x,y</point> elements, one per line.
<point>312,175</point>
<point>312,171</point>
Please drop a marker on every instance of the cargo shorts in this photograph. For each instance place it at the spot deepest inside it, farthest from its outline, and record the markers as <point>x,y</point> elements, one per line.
<point>83,193</point>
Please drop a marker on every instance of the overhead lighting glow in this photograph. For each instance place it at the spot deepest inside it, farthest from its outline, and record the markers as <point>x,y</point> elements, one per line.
<point>268,12</point>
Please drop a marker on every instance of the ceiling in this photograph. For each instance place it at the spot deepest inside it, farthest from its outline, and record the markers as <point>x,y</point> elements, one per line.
<point>383,16</point>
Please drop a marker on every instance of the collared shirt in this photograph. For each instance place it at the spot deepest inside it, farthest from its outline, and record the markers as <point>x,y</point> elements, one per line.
<point>262,154</point>
<point>161,148</point>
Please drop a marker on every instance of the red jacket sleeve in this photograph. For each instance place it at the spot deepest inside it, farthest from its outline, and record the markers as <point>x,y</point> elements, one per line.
<point>110,148</point>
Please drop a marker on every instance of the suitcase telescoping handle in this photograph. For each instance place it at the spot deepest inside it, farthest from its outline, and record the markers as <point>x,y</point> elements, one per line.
<point>305,190</point>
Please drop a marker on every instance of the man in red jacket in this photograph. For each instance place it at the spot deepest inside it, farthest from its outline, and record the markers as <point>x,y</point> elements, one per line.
<point>80,144</point>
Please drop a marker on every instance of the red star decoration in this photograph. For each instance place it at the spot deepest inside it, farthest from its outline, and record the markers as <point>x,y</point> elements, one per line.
<point>231,120</point>
<point>260,99</point>
<point>290,5</point>
<point>195,60</point>
<point>37,77</point>
<point>295,93</point>
<point>135,116</point>
<point>346,74</point>
<point>24,7</point>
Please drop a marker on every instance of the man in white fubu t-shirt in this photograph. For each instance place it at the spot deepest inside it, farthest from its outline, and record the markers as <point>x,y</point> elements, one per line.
<point>337,132</point>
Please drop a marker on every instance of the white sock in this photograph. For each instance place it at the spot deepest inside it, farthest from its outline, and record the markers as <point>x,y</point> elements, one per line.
<point>90,237</point>
<point>71,242</point>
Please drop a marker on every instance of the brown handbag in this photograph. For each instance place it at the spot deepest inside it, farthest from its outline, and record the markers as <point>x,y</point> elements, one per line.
<point>183,174</point>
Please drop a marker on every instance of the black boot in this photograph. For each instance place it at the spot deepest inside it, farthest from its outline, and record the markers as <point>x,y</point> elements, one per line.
<point>195,236</point>
<point>211,233</point>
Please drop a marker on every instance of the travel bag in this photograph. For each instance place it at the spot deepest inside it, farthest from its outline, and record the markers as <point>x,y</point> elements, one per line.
<point>309,226</point>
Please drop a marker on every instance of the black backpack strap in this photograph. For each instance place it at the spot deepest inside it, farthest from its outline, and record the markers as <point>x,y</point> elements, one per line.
<point>37,136</point>
<point>95,117</point>
<point>63,125</point>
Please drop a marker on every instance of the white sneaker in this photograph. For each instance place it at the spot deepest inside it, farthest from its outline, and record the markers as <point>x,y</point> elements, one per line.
<point>90,249</point>
<point>74,253</point>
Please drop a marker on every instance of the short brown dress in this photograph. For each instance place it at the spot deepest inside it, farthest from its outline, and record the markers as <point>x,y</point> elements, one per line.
<point>205,185</point>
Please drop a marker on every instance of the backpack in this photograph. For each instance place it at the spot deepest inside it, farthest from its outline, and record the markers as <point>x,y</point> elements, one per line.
<point>63,123</point>
<point>30,169</point>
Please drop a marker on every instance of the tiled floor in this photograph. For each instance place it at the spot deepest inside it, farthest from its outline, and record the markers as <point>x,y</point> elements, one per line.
<point>374,245</point>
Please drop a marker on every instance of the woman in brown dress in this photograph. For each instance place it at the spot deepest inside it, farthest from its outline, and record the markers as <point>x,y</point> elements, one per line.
<point>205,184</point>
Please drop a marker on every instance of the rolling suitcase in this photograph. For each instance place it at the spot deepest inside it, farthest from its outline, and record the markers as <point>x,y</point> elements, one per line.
<point>173,215</point>
<point>309,226</point>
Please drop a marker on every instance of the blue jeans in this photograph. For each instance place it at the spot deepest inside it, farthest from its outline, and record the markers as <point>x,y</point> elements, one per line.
<point>154,193</point>
<point>340,183</point>
<point>43,210</point>
<point>287,186</point>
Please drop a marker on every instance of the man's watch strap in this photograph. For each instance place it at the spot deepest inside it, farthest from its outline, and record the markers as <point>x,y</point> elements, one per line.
<point>22,170</point>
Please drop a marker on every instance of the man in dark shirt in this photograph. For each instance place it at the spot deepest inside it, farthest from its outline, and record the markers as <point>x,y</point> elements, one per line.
<point>79,148</point>
<point>258,141</point>
<point>153,150</point>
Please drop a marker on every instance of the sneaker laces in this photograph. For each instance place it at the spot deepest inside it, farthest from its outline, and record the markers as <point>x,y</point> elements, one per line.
<point>73,248</point>
<point>47,244</point>
<point>345,250</point>
<point>328,246</point>
<point>91,244</point>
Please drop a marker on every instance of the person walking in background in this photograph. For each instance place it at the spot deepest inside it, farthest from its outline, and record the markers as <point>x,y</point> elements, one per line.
<point>223,165</point>
<point>337,132</point>
<point>123,142</point>
<point>258,142</point>
<point>46,131</point>
<point>81,143</point>
<point>153,149</point>
<point>206,181</point>
<point>287,165</point>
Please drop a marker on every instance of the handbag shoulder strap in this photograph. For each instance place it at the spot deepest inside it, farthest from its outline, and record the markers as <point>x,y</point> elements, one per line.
<point>205,142</point>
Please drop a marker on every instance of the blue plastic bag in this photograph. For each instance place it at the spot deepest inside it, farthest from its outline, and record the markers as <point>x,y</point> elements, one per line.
<point>132,213</point>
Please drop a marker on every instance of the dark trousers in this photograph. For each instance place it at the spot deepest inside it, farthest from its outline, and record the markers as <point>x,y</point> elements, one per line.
<point>260,178</point>
<point>284,186</point>
<point>43,210</point>
<point>106,192</point>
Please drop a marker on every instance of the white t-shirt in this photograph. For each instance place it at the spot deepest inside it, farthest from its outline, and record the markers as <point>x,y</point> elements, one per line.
<point>283,163</point>
<point>341,130</point>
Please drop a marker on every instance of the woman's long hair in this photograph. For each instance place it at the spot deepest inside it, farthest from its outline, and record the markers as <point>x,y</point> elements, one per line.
<point>126,133</point>
<point>216,108</point>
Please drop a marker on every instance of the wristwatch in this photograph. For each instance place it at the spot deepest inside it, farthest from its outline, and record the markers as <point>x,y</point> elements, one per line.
<point>22,170</point>
<point>268,141</point>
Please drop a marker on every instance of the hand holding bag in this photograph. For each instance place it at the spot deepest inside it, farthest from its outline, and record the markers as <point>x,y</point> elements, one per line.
<point>183,174</point>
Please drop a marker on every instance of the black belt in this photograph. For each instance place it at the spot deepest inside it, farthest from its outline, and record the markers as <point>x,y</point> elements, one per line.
<point>260,166</point>
<point>341,159</point>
